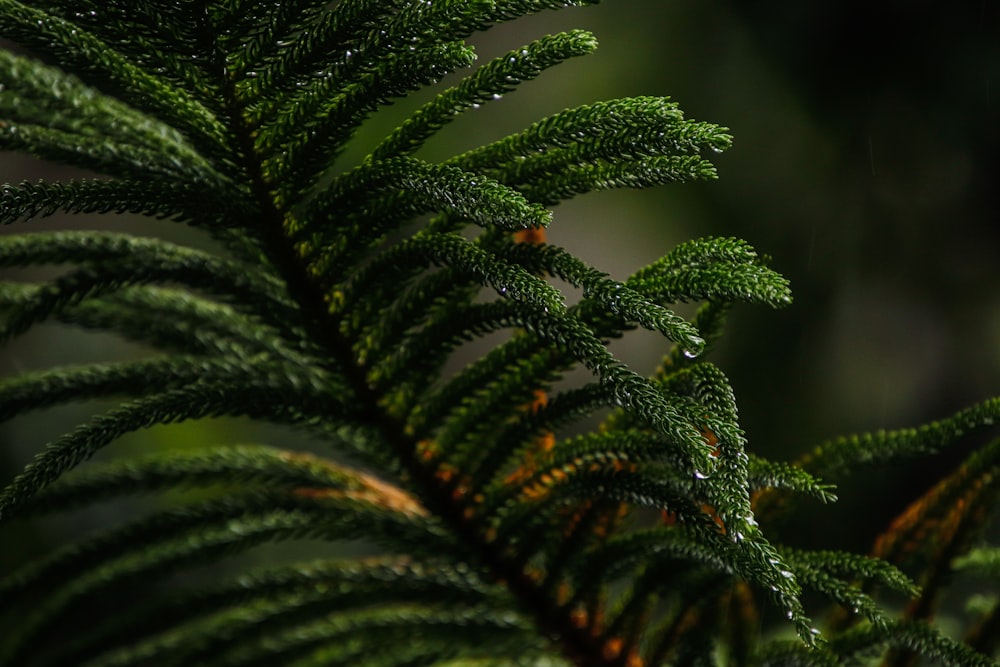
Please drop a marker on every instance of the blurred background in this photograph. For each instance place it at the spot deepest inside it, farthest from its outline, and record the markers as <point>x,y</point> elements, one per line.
<point>864,163</point>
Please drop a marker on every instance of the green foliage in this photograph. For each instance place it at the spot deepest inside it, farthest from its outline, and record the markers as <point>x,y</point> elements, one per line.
<point>333,298</point>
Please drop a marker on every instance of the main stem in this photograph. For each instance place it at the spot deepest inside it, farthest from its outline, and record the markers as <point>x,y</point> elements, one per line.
<point>578,644</point>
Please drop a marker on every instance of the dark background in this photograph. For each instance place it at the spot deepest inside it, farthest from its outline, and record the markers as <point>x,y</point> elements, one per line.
<point>864,164</point>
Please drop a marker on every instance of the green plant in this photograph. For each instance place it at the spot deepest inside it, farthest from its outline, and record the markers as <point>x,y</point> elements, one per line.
<point>335,298</point>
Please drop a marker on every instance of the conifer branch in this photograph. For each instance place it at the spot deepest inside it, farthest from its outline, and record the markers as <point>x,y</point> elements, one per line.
<point>334,299</point>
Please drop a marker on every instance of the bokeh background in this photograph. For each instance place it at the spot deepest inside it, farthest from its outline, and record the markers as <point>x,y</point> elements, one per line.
<point>865,164</point>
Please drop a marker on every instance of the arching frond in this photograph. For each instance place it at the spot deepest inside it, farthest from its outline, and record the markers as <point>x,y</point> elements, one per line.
<point>842,455</point>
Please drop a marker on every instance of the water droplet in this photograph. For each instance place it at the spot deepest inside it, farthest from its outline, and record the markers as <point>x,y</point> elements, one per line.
<point>700,475</point>
<point>476,105</point>
<point>695,346</point>
<point>497,96</point>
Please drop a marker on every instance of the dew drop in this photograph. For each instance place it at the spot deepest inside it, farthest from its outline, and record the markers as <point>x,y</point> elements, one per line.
<point>700,475</point>
<point>696,345</point>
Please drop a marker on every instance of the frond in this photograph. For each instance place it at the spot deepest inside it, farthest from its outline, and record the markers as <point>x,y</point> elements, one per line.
<point>391,192</point>
<point>264,398</point>
<point>154,197</point>
<point>231,465</point>
<point>33,391</point>
<point>840,456</point>
<point>81,51</point>
<point>605,296</point>
<point>917,637</point>
<point>949,516</point>
<point>157,545</point>
<point>487,84</point>
<point>596,122</point>
<point>335,300</point>
<point>828,572</point>
<point>117,260</point>
<point>720,269</point>
<point>294,148</point>
<point>765,475</point>
<point>185,323</point>
<point>280,596</point>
